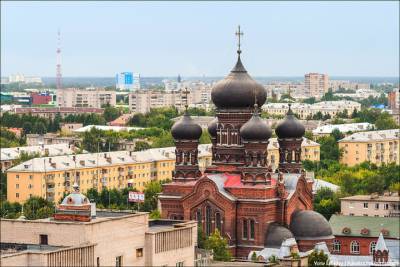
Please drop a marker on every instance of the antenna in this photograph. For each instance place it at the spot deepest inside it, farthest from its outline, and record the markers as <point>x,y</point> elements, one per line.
<point>58,66</point>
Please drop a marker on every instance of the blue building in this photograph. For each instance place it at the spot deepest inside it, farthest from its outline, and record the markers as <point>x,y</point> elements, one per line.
<point>127,81</point>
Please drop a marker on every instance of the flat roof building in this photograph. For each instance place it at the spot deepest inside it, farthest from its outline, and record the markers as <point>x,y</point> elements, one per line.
<point>386,205</point>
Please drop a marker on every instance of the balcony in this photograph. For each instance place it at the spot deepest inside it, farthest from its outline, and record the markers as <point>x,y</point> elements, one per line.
<point>50,189</point>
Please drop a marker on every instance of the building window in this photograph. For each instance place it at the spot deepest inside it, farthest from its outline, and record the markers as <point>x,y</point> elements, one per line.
<point>17,195</point>
<point>198,217</point>
<point>245,235</point>
<point>139,252</point>
<point>351,214</point>
<point>354,247</point>
<point>179,264</point>
<point>17,186</point>
<point>372,246</point>
<point>365,205</point>
<point>218,221</point>
<point>43,240</point>
<point>98,262</point>
<point>336,246</point>
<point>377,206</point>
<point>386,206</point>
<point>118,261</point>
<point>208,220</point>
<point>252,229</point>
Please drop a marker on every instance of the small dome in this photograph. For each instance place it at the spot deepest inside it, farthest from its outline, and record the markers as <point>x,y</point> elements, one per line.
<point>290,127</point>
<point>237,90</point>
<point>186,129</point>
<point>75,198</point>
<point>308,224</point>
<point>212,127</point>
<point>276,234</point>
<point>255,129</point>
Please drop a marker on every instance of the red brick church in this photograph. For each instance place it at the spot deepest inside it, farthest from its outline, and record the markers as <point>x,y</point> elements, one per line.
<point>251,205</point>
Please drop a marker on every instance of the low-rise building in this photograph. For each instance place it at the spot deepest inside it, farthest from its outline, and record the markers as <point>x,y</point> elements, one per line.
<point>51,139</point>
<point>357,235</point>
<point>9,155</point>
<point>343,128</point>
<point>387,205</point>
<point>307,111</point>
<point>87,128</point>
<point>69,127</point>
<point>122,238</point>
<point>377,147</point>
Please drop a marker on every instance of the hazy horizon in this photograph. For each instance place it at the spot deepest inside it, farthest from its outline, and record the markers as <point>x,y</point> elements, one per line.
<point>159,39</point>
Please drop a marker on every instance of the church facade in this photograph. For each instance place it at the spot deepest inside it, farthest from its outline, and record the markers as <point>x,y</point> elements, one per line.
<point>240,195</point>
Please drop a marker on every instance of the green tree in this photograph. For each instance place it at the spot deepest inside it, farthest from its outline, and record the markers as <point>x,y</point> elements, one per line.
<point>254,256</point>
<point>150,195</point>
<point>142,145</point>
<point>201,237</point>
<point>219,246</point>
<point>318,258</point>
<point>9,210</point>
<point>27,127</point>
<point>329,148</point>
<point>155,214</point>
<point>111,113</point>
<point>39,128</point>
<point>38,208</point>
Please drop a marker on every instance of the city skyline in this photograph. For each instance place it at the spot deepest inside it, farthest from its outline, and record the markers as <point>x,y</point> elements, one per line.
<point>195,39</point>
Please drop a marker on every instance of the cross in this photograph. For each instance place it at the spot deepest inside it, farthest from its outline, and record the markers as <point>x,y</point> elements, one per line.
<point>186,92</point>
<point>238,34</point>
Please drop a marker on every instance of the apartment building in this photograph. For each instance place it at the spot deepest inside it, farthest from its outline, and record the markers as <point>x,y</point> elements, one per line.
<point>50,113</point>
<point>122,238</point>
<point>387,205</point>
<point>394,99</point>
<point>143,100</point>
<point>374,146</point>
<point>306,111</point>
<point>343,128</point>
<point>51,177</point>
<point>348,85</point>
<point>51,139</point>
<point>9,155</point>
<point>315,84</point>
<point>94,98</point>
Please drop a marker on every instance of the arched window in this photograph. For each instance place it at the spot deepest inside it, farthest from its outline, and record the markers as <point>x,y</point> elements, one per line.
<point>218,221</point>
<point>198,216</point>
<point>208,220</point>
<point>354,247</point>
<point>244,231</point>
<point>252,229</point>
<point>372,246</point>
<point>336,246</point>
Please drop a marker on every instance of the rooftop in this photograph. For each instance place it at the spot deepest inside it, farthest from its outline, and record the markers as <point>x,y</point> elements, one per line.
<point>343,128</point>
<point>392,197</point>
<point>355,224</point>
<point>106,128</point>
<point>392,134</point>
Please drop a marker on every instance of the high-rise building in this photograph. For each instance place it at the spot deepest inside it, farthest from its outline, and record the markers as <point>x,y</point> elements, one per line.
<point>316,85</point>
<point>127,81</point>
<point>394,99</point>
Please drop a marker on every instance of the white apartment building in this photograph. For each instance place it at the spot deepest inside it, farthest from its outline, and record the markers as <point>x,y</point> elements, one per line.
<point>343,128</point>
<point>315,84</point>
<point>337,84</point>
<point>305,111</point>
<point>95,98</point>
<point>360,94</point>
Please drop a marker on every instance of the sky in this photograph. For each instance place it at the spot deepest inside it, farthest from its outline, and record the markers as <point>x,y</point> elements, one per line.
<point>100,39</point>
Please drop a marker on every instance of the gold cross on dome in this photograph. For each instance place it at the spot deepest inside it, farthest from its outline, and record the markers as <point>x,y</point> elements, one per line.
<point>239,34</point>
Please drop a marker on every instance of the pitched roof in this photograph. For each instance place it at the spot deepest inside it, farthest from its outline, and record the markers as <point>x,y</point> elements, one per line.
<point>356,223</point>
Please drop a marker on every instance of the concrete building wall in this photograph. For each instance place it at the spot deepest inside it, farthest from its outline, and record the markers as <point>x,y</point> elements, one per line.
<point>369,208</point>
<point>73,97</point>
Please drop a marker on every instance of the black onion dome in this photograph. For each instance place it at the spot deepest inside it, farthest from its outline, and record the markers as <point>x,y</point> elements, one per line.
<point>186,129</point>
<point>275,235</point>
<point>237,90</point>
<point>212,127</point>
<point>310,225</point>
<point>290,127</point>
<point>255,129</point>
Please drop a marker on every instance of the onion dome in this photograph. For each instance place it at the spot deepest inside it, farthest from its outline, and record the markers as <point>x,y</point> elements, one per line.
<point>255,128</point>
<point>310,225</point>
<point>290,127</point>
<point>75,198</point>
<point>186,129</point>
<point>237,89</point>
<point>276,234</point>
<point>212,127</point>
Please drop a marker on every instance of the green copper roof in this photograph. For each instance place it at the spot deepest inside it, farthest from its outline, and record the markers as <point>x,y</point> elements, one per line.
<point>357,223</point>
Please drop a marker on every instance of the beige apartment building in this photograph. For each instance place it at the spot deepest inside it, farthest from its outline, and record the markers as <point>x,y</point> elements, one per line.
<point>95,98</point>
<point>377,147</point>
<point>109,239</point>
<point>315,84</point>
<point>387,205</point>
<point>143,100</point>
<point>51,177</point>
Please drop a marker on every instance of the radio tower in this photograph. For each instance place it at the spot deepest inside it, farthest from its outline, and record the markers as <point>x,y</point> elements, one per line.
<point>58,66</point>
